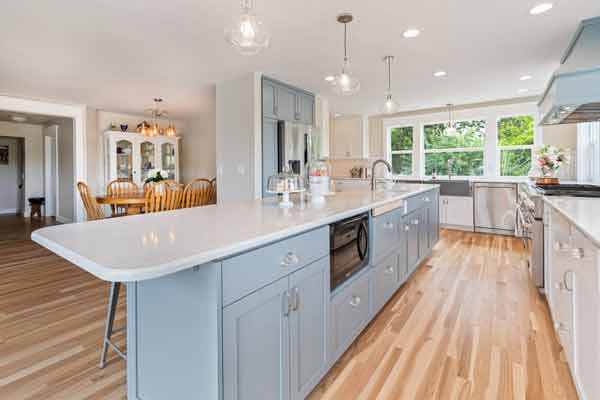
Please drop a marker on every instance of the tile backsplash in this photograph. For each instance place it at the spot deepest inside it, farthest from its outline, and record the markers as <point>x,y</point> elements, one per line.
<point>341,168</point>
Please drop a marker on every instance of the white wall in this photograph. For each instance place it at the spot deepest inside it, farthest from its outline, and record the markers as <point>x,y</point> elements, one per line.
<point>238,139</point>
<point>66,177</point>
<point>11,198</point>
<point>563,136</point>
<point>198,144</point>
<point>34,157</point>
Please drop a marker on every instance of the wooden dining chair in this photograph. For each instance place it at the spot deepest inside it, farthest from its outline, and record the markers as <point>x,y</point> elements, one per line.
<point>93,210</point>
<point>121,188</point>
<point>213,193</point>
<point>163,196</point>
<point>198,192</point>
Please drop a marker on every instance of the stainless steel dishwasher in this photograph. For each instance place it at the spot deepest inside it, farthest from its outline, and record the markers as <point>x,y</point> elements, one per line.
<point>495,209</point>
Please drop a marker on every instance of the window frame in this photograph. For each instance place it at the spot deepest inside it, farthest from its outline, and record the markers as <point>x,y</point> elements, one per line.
<point>499,148</point>
<point>482,149</point>
<point>390,152</point>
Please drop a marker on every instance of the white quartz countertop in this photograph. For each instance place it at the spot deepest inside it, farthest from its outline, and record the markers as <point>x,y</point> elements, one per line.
<point>141,247</point>
<point>583,212</point>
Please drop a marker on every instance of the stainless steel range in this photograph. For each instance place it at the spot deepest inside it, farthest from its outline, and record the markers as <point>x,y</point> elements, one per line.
<point>530,224</point>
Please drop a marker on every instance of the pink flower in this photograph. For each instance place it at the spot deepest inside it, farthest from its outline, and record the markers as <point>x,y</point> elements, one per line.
<point>542,161</point>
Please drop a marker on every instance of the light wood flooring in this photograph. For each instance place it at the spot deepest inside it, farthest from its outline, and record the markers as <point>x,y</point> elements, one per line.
<point>468,325</point>
<point>17,227</point>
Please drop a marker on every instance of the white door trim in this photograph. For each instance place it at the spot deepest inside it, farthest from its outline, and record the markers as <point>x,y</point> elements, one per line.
<point>78,113</point>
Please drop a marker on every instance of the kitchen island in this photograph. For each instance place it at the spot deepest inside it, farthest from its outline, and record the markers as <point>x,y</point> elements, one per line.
<point>233,301</point>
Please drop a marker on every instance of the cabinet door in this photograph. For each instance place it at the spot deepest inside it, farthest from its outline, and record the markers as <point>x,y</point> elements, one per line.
<point>268,99</point>
<point>423,225</point>
<point>285,108</point>
<point>347,138</point>
<point>412,241</point>
<point>402,256</point>
<point>269,152</point>
<point>309,288</point>
<point>124,151</point>
<point>459,211</point>
<point>306,105</point>
<point>385,281</point>
<point>434,219</point>
<point>586,334</point>
<point>256,345</point>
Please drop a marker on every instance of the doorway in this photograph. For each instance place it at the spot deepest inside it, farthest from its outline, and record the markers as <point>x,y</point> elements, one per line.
<point>12,175</point>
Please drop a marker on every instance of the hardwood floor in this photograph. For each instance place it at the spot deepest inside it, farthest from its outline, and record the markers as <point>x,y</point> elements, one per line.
<point>468,325</point>
<point>51,328</point>
<point>16,227</point>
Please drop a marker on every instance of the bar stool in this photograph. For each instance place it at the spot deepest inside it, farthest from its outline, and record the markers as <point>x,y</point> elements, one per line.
<point>110,320</point>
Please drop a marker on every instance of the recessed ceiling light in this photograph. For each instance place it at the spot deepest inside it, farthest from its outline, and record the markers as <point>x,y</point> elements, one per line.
<point>411,33</point>
<point>18,118</point>
<point>540,8</point>
<point>523,90</point>
<point>439,74</point>
<point>525,77</point>
<point>329,78</point>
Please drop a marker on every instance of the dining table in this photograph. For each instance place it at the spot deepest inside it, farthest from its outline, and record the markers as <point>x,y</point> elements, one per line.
<point>133,203</point>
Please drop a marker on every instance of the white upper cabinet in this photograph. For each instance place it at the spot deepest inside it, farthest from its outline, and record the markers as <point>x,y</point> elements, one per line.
<point>377,145</point>
<point>347,138</point>
<point>131,155</point>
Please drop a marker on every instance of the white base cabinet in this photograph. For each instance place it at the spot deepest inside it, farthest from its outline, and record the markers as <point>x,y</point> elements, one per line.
<point>456,212</point>
<point>573,296</point>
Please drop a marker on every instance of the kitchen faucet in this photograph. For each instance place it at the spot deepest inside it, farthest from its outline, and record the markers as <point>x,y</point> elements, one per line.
<point>387,164</point>
<point>450,163</point>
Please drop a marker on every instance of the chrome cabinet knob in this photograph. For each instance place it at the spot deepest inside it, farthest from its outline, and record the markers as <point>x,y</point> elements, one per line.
<point>559,326</point>
<point>290,259</point>
<point>578,253</point>
<point>388,225</point>
<point>415,222</point>
<point>389,270</point>
<point>355,301</point>
<point>560,246</point>
<point>407,228</point>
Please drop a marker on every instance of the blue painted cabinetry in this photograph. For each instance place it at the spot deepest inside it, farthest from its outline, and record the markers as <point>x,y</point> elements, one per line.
<point>283,102</point>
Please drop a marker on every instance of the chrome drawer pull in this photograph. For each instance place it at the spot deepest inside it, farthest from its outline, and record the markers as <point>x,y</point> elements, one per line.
<point>388,225</point>
<point>407,228</point>
<point>285,300</point>
<point>426,199</point>
<point>560,246</point>
<point>355,301</point>
<point>578,253</point>
<point>296,299</point>
<point>415,222</point>
<point>290,259</point>
<point>389,270</point>
<point>564,282</point>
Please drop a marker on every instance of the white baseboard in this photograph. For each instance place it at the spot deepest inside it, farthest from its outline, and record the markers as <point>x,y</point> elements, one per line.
<point>466,228</point>
<point>10,211</point>
<point>63,220</point>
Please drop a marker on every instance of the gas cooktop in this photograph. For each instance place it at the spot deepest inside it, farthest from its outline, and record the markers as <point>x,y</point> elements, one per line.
<point>569,190</point>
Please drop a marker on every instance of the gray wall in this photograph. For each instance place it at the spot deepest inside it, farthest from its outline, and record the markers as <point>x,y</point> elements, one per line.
<point>11,198</point>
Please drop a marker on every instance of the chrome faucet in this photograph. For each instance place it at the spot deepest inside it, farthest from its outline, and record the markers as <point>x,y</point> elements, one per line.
<point>450,163</point>
<point>387,164</point>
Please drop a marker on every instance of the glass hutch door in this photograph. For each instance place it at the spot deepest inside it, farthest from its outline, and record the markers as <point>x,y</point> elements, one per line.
<point>147,159</point>
<point>124,159</point>
<point>168,159</point>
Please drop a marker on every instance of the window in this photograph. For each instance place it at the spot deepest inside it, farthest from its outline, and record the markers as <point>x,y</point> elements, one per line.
<point>515,143</point>
<point>465,148</point>
<point>401,140</point>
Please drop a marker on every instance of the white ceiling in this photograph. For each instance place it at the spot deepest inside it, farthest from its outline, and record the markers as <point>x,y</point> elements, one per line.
<point>117,55</point>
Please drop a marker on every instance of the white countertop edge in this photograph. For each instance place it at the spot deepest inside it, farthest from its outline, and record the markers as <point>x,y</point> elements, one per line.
<point>571,219</point>
<point>157,271</point>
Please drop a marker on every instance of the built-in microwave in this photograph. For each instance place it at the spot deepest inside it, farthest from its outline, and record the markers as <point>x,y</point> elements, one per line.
<point>348,248</point>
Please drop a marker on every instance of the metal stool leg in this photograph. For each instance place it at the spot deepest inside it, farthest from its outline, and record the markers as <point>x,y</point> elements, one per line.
<point>110,319</point>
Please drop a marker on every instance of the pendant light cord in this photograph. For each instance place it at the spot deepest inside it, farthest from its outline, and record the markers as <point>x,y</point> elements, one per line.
<point>345,42</point>
<point>389,60</point>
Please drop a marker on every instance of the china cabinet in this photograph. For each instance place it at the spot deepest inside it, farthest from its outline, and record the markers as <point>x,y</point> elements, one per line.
<point>130,155</point>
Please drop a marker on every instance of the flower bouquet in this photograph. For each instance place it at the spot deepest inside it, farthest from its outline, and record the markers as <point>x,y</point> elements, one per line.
<point>156,175</point>
<point>549,159</point>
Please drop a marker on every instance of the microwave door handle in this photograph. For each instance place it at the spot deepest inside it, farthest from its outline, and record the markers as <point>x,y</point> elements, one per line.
<point>362,253</point>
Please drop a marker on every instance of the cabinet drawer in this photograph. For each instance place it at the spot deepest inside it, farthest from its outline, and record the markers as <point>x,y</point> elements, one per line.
<point>386,234</point>
<point>349,314</point>
<point>385,281</point>
<point>250,271</point>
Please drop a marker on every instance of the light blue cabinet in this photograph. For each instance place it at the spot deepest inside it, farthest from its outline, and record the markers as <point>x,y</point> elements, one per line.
<point>256,347</point>
<point>422,219</point>
<point>275,339</point>
<point>386,276</point>
<point>269,152</point>
<point>411,229</point>
<point>309,317</point>
<point>284,102</point>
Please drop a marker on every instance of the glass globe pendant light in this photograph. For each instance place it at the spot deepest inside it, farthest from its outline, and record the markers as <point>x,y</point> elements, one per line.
<point>389,106</point>
<point>450,128</point>
<point>344,83</point>
<point>247,34</point>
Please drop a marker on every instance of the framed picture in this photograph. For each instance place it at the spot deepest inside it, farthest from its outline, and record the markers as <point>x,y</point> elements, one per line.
<point>3,154</point>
